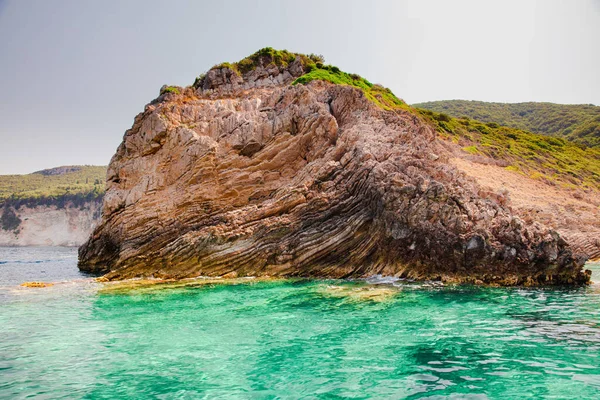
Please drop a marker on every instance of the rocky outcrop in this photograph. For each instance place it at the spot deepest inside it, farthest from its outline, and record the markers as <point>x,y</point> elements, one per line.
<point>226,80</point>
<point>586,244</point>
<point>573,213</point>
<point>245,174</point>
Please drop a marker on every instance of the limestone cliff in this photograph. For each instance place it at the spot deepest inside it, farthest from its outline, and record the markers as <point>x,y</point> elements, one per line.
<point>54,207</point>
<point>246,174</point>
<point>51,225</point>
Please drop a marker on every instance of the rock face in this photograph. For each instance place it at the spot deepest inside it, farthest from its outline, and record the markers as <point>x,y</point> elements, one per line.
<point>249,175</point>
<point>575,215</point>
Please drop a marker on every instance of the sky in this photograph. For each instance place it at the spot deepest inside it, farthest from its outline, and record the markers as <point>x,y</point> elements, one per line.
<point>73,74</point>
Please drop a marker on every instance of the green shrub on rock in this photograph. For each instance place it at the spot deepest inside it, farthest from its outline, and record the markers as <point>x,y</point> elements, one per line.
<point>9,221</point>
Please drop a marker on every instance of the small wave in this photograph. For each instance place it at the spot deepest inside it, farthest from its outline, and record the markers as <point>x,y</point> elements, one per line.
<point>382,280</point>
<point>29,261</point>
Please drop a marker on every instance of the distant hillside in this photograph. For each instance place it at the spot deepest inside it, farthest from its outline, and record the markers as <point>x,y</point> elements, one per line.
<point>53,185</point>
<point>578,123</point>
<point>54,207</point>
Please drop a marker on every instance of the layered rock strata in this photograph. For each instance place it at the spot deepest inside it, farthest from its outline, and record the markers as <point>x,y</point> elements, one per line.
<point>246,174</point>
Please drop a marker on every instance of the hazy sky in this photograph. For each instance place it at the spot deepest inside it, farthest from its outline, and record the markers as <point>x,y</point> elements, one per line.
<point>73,74</point>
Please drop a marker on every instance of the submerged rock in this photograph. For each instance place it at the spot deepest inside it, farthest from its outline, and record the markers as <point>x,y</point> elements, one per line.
<point>247,174</point>
<point>37,284</point>
<point>360,293</point>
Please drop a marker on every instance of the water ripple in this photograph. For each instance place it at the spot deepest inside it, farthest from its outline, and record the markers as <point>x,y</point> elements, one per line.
<point>381,338</point>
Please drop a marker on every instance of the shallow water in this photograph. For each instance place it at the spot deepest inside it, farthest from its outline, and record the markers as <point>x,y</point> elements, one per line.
<point>290,339</point>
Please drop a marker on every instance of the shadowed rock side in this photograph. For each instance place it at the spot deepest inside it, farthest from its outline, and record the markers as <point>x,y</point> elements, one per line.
<point>252,176</point>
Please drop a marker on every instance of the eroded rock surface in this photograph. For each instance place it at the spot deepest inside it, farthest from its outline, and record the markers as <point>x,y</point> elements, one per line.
<point>575,215</point>
<point>248,175</point>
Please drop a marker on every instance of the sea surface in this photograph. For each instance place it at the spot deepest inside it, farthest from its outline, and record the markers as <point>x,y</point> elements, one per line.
<point>289,339</point>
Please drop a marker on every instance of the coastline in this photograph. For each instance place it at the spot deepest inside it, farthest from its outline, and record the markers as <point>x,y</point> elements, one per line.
<point>153,284</point>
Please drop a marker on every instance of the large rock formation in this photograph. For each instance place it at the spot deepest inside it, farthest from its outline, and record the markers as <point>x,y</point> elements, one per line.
<point>246,174</point>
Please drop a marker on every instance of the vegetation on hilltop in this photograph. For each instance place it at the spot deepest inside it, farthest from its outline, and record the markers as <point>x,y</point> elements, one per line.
<point>77,185</point>
<point>169,89</point>
<point>315,70</point>
<point>378,94</point>
<point>264,57</point>
<point>578,123</point>
<point>551,159</point>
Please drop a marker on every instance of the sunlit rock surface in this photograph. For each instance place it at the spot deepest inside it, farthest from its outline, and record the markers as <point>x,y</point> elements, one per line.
<point>248,175</point>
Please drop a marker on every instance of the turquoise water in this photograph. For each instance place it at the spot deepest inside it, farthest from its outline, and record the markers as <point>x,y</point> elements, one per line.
<point>290,339</point>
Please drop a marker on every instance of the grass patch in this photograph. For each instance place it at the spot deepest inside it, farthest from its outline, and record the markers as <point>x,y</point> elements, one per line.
<point>471,149</point>
<point>169,89</point>
<point>381,96</point>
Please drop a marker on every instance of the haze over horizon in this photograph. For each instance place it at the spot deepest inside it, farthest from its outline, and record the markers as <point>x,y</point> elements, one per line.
<point>75,74</point>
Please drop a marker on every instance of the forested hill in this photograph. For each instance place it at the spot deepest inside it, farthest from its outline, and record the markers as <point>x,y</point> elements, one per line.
<point>53,186</point>
<point>578,123</point>
<point>52,207</point>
